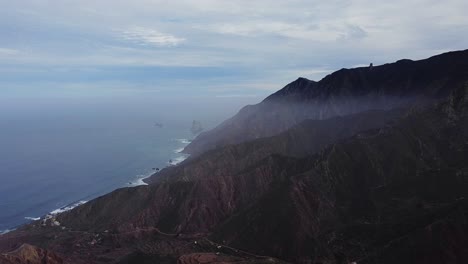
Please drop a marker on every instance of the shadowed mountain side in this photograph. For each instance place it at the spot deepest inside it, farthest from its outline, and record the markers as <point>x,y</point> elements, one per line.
<point>343,92</point>
<point>306,138</point>
<point>211,189</point>
<point>179,204</point>
<point>392,195</point>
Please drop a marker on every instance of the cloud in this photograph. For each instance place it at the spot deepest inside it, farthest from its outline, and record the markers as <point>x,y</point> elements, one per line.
<point>261,46</point>
<point>8,52</point>
<point>353,32</point>
<point>264,28</point>
<point>150,36</point>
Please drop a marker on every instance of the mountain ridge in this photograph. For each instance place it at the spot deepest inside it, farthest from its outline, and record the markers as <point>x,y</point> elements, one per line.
<point>343,92</point>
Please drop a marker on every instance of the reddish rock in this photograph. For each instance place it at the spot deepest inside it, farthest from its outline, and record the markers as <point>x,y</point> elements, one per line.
<point>27,254</point>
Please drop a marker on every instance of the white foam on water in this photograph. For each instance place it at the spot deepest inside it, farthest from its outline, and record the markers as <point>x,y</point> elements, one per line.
<point>183,140</point>
<point>178,160</point>
<point>32,218</point>
<point>67,208</point>
<point>182,157</point>
<point>139,180</point>
<point>2,232</point>
<point>179,150</point>
<point>172,162</point>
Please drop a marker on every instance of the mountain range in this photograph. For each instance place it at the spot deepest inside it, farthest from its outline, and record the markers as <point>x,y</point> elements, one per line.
<point>343,92</point>
<point>368,165</point>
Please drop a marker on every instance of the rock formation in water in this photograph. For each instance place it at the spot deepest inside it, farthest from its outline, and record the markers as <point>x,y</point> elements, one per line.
<point>196,127</point>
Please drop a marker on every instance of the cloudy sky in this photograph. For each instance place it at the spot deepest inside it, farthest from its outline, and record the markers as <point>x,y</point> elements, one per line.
<point>214,48</point>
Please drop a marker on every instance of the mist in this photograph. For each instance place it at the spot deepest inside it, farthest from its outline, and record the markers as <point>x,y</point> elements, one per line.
<point>152,106</point>
<point>60,147</point>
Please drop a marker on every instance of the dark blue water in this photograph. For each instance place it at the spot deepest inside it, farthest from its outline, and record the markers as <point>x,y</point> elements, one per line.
<point>58,151</point>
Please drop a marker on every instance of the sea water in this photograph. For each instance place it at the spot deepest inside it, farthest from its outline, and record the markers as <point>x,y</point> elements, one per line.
<point>61,152</point>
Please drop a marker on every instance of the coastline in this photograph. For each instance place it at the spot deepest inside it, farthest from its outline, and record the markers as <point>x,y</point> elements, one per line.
<point>138,181</point>
<point>54,212</point>
<point>172,162</point>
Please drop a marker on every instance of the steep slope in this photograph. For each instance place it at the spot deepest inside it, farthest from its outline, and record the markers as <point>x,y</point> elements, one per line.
<point>385,195</point>
<point>191,199</point>
<point>343,92</point>
<point>306,138</point>
<point>27,254</point>
<point>392,195</point>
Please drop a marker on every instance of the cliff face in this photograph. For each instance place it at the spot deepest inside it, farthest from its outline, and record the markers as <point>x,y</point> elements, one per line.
<point>343,92</point>
<point>385,196</point>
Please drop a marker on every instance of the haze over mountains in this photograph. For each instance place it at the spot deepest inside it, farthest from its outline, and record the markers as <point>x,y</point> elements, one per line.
<point>368,165</point>
<point>343,92</point>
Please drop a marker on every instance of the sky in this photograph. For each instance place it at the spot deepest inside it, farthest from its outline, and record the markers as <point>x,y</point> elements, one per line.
<point>212,49</point>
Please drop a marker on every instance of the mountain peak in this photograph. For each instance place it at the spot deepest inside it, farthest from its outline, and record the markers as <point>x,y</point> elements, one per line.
<point>435,76</point>
<point>293,89</point>
<point>302,79</point>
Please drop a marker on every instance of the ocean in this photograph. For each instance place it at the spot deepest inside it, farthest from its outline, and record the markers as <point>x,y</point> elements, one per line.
<point>56,153</point>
